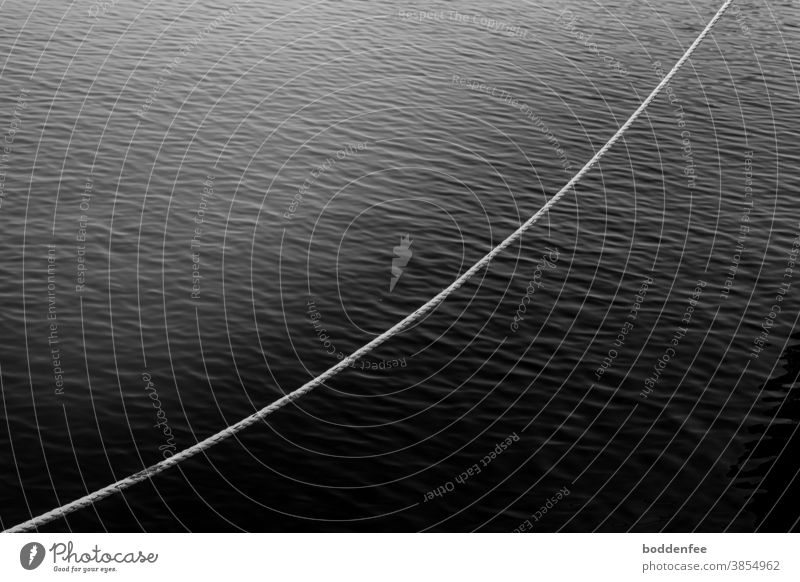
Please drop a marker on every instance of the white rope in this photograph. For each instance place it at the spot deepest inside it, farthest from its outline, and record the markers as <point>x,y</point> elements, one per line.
<point>161,466</point>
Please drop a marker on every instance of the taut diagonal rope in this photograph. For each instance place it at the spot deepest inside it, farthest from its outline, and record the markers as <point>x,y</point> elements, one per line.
<point>365,349</point>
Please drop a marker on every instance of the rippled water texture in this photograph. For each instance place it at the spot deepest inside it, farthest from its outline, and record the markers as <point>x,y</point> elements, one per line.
<point>206,205</point>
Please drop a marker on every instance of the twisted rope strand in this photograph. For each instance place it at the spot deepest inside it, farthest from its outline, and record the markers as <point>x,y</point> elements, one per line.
<point>209,442</point>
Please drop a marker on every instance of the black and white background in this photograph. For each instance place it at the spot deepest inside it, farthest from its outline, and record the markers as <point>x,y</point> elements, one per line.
<point>203,205</point>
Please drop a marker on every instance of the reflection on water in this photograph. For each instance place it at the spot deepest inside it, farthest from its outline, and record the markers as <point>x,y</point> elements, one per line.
<point>769,468</point>
<point>215,202</point>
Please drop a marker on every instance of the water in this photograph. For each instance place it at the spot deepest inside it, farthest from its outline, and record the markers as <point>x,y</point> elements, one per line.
<point>227,188</point>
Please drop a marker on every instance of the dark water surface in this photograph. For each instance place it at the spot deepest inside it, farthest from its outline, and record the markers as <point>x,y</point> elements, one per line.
<point>204,204</point>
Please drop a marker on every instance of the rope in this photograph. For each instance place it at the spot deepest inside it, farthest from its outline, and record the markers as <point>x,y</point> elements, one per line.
<point>209,442</point>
